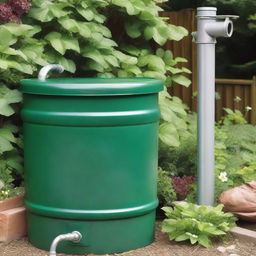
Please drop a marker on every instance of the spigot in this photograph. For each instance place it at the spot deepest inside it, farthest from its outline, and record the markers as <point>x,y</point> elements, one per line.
<point>212,26</point>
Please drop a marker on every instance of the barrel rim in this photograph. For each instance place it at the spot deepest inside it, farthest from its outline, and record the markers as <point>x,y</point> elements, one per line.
<point>92,86</point>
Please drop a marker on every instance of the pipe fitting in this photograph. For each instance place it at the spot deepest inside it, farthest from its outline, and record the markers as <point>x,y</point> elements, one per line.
<point>75,237</point>
<point>220,28</point>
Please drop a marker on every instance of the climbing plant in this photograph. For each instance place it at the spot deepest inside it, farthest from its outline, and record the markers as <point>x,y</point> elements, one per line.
<point>104,38</point>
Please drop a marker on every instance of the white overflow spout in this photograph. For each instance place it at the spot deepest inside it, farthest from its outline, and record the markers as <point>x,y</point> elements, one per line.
<point>209,27</point>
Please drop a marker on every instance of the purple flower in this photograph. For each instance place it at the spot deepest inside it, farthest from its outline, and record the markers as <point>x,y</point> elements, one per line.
<point>5,12</point>
<point>19,7</point>
<point>181,185</point>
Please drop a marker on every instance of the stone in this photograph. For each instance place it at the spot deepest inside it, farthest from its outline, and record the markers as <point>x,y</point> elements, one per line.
<point>244,234</point>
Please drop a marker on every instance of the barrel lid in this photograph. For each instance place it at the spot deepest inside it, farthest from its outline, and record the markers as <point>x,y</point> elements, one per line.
<point>92,86</point>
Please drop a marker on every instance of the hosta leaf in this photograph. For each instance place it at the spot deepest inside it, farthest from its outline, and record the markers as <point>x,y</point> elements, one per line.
<point>182,237</point>
<point>204,241</point>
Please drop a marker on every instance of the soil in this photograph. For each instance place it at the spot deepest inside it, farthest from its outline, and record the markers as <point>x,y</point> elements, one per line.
<point>161,247</point>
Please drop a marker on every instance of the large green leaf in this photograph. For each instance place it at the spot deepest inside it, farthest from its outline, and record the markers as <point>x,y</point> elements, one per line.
<point>62,43</point>
<point>168,134</point>
<point>182,80</point>
<point>75,26</point>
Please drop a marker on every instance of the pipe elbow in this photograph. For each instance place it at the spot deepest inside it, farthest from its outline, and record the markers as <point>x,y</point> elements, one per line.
<point>75,237</point>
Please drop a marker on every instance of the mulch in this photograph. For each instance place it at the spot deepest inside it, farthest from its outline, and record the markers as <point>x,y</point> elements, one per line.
<point>161,247</point>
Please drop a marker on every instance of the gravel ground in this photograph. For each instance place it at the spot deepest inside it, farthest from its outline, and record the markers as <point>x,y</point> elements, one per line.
<point>161,247</point>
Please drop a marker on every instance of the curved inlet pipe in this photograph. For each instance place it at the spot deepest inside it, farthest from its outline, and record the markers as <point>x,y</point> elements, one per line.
<point>45,70</point>
<point>75,237</point>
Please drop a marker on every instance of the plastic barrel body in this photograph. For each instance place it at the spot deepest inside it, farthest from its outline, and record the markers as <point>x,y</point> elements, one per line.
<point>90,166</point>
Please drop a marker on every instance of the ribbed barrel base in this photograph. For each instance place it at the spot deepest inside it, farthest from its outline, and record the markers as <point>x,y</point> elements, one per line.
<point>99,236</point>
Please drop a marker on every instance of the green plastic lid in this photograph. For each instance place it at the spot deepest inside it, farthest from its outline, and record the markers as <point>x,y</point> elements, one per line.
<point>92,86</point>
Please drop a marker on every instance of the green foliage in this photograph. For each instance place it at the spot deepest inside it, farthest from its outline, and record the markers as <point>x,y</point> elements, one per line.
<point>248,173</point>
<point>233,117</point>
<point>235,150</point>
<point>11,192</point>
<point>81,36</point>
<point>165,191</point>
<point>79,32</point>
<point>15,63</point>
<point>198,224</point>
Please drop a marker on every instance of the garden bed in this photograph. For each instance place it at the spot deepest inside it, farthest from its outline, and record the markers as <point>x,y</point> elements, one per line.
<point>161,247</point>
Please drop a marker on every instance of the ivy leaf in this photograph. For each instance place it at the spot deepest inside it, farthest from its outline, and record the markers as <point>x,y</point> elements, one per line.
<point>7,134</point>
<point>180,79</point>
<point>5,37</point>
<point>148,32</point>
<point>176,32</point>
<point>126,4</point>
<point>5,145</point>
<point>112,60</point>
<point>168,134</point>
<point>133,29</point>
<point>75,26</point>
<point>86,13</point>
<point>125,58</point>
<point>158,37</point>
<point>95,55</point>
<point>62,43</point>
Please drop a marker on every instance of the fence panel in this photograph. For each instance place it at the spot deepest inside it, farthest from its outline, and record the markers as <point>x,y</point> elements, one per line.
<point>236,94</point>
<point>228,89</point>
<point>186,49</point>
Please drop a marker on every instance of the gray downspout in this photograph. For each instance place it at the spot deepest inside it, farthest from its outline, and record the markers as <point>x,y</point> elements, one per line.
<point>209,27</point>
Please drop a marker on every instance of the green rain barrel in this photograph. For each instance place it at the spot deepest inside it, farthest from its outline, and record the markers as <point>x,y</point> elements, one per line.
<point>90,147</point>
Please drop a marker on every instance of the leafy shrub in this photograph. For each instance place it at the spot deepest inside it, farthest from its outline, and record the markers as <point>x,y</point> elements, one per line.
<point>165,191</point>
<point>248,173</point>
<point>81,36</point>
<point>198,224</point>
<point>235,149</point>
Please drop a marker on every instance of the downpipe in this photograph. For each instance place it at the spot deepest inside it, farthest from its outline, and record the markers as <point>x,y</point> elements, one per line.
<point>75,237</point>
<point>209,27</point>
